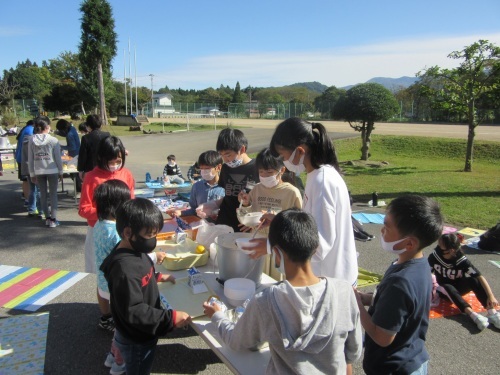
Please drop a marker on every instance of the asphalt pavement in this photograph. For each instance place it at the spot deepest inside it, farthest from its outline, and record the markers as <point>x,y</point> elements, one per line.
<point>76,345</point>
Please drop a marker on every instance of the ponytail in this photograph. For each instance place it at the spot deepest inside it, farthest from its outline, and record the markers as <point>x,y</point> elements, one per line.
<point>323,151</point>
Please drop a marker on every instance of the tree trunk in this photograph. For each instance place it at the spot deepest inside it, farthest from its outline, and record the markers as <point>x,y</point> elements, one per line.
<point>83,109</point>
<point>470,136</point>
<point>102,103</point>
<point>366,132</point>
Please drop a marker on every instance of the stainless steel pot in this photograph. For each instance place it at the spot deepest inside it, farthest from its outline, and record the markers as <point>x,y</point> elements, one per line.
<point>233,262</point>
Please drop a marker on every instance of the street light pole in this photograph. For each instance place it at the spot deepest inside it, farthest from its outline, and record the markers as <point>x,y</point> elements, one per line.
<point>152,100</point>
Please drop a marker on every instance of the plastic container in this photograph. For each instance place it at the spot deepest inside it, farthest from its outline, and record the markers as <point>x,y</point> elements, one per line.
<point>245,242</point>
<point>250,219</point>
<point>233,263</point>
<point>238,290</point>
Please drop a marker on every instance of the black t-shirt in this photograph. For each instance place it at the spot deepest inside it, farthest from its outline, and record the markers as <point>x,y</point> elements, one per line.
<point>448,271</point>
<point>234,180</point>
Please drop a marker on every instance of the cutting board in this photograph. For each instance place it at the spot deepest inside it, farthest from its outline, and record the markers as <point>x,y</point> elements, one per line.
<point>181,297</point>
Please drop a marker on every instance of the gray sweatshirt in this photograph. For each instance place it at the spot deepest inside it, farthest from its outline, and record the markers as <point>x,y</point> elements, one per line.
<point>44,155</point>
<point>310,330</point>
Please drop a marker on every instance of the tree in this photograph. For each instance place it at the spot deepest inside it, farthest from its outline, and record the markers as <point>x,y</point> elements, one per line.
<point>33,82</point>
<point>466,87</point>
<point>97,47</point>
<point>362,106</point>
<point>325,103</point>
<point>238,96</point>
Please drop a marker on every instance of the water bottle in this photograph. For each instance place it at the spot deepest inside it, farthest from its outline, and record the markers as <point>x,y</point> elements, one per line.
<point>374,199</point>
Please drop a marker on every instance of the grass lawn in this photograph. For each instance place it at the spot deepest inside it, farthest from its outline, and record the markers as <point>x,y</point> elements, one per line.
<point>428,166</point>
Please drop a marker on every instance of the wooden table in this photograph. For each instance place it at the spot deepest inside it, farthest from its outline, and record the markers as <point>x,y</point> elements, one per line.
<point>239,362</point>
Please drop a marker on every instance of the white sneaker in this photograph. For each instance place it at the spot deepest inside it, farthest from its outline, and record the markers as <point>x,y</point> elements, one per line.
<point>110,360</point>
<point>494,319</point>
<point>117,369</point>
<point>481,321</point>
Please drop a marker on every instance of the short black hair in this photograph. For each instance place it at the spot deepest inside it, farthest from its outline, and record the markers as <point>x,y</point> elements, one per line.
<point>266,160</point>
<point>109,196</point>
<point>171,157</point>
<point>41,123</point>
<point>451,241</point>
<point>296,233</point>
<point>138,214</point>
<point>93,122</point>
<point>210,158</point>
<point>231,139</point>
<point>417,216</point>
<point>83,127</point>
<point>62,127</point>
<point>110,148</point>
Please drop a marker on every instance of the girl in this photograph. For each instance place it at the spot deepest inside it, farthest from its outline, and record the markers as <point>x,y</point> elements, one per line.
<point>456,276</point>
<point>45,167</point>
<point>110,165</point>
<point>108,197</point>
<point>306,147</point>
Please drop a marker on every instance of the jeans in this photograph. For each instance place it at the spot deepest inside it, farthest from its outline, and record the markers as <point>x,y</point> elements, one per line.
<point>422,370</point>
<point>138,357</point>
<point>52,180</point>
<point>33,197</point>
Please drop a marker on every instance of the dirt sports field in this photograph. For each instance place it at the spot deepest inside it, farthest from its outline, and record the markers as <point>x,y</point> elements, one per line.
<point>483,132</point>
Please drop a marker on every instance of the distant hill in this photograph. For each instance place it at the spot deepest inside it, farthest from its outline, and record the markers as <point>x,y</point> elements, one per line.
<point>392,84</point>
<point>312,86</point>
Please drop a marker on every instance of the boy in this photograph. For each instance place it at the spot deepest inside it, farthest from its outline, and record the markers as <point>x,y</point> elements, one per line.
<point>311,323</point>
<point>396,322</point>
<point>172,172</point>
<point>134,296</point>
<point>237,174</point>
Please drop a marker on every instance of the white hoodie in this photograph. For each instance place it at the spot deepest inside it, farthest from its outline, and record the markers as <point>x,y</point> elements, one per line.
<point>44,155</point>
<point>310,330</point>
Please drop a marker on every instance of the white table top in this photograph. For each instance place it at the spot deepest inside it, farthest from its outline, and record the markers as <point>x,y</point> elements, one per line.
<point>239,362</point>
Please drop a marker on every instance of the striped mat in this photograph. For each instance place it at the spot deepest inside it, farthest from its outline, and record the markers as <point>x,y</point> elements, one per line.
<point>29,289</point>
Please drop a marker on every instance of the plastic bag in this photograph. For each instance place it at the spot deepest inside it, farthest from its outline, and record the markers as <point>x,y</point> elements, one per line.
<point>207,233</point>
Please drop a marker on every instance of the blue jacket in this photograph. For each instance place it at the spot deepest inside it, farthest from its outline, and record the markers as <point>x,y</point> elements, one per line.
<point>73,142</point>
<point>26,131</point>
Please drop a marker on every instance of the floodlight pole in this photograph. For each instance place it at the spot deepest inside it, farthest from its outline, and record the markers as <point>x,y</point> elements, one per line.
<point>152,99</point>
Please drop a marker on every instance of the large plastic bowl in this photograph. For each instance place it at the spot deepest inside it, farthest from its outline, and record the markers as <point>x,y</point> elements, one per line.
<point>238,290</point>
<point>245,242</point>
<point>249,219</point>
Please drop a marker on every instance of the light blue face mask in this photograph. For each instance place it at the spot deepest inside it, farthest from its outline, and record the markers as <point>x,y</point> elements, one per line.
<point>281,268</point>
<point>235,163</point>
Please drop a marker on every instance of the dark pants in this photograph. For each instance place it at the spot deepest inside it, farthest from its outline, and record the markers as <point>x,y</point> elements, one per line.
<point>455,291</point>
<point>138,357</point>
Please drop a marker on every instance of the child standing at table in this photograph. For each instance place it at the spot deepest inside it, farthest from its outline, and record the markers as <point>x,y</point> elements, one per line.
<point>456,276</point>
<point>311,323</point>
<point>207,189</point>
<point>237,173</point>
<point>132,280</point>
<point>397,320</point>
<point>172,172</point>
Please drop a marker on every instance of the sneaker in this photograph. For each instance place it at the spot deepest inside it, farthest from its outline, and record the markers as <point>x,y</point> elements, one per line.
<point>481,321</point>
<point>495,319</point>
<point>33,213</point>
<point>107,323</point>
<point>53,223</point>
<point>110,360</point>
<point>117,369</point>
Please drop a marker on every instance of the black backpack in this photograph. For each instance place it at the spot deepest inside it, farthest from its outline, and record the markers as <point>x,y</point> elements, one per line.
<point>490,240</point>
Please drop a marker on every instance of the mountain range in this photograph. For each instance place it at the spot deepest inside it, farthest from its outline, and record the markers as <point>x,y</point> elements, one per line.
<point>392,84</point>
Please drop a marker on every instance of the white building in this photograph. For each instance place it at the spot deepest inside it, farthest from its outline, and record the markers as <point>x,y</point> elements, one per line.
<point>162,104</point>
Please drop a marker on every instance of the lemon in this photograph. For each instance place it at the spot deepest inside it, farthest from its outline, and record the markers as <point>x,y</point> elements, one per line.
<point>200,249</point>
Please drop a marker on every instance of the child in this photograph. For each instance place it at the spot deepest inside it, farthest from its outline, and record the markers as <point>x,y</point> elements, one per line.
<point>66,129</point>
<point>305,146</point>
<point>87,156</point>
<point>193,173</point>
<point>134,296</point>
<point>207,189</point>
<point>45,168</point>
<point>237,173</point>
<point>311,323</point>
<point>34,207</point>
<point>110,165</point>
<point>108,197</point>
<point>172,172</point>
<point>456,276</point>
<point>398,317</point>
<point>82,128</point>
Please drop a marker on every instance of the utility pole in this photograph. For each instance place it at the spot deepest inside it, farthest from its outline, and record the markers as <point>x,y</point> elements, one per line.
<point>152,100</point>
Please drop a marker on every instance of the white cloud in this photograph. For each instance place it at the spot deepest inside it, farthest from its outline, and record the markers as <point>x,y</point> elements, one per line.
<point>13,31</point>
<point>337,66</point>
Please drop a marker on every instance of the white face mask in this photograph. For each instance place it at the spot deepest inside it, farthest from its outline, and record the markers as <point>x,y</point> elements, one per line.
<point>269,182</point>
<point>295,168</point>
<point>207,174</point>
<point>389,246</point>
<point>281,268</point>
<point>114,167</point>
<point>171,163</point>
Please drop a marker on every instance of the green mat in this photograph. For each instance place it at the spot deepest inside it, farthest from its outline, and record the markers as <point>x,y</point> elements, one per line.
<point>366,278</point>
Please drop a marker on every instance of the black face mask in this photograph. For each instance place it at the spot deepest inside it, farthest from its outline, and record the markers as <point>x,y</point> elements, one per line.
<point>143,245</point>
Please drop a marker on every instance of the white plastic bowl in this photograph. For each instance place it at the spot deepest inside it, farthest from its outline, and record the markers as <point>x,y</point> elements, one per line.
<point>249,219</point>
<point>238,290</point>
<point>245,242</point>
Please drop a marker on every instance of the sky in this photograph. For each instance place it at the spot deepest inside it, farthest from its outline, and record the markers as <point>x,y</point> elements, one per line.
<point>195,44</point>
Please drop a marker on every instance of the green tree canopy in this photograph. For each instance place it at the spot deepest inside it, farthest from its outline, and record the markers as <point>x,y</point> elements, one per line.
<point>362,106</point>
